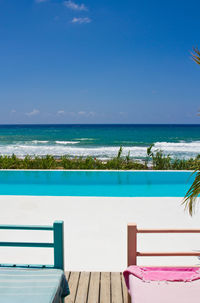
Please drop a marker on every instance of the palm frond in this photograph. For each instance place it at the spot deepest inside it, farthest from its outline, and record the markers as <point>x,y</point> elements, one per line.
<point>192,194</point>
<point>196,55</point>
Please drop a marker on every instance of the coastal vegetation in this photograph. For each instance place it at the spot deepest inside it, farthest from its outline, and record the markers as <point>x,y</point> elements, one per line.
<point>159,161</point>
<point>156,160</point>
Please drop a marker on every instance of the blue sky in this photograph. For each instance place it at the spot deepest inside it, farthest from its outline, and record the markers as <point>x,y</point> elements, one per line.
<point>99,61</point>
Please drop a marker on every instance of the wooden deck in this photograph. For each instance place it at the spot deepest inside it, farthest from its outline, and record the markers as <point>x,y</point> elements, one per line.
<point>96,287</point>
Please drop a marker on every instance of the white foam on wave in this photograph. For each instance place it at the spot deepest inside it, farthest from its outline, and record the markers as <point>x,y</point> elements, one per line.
<point>85,139</point>
<point>176,150</point>
<point>59,150</point>
<point>180,147</point>
<point>67,142</point>
<point>39,142</point>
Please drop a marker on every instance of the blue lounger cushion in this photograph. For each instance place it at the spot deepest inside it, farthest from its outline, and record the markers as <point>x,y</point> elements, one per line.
<point>19,285</point>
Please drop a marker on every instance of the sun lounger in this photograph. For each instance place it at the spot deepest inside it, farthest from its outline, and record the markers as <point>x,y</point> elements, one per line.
<point>160,284</point>
<point>21,283</point>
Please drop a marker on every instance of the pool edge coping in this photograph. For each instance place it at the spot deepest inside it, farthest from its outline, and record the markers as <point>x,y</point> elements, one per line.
<point>99,170</point>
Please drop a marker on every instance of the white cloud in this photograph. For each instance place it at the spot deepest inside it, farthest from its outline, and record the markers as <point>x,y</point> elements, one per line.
<point>33,113</point>
<point>13,111</point>
<point>74,6</point>
<point>81,113</point>
<point>87,114</point>
<point>60,112</point>
<point>81,20</point>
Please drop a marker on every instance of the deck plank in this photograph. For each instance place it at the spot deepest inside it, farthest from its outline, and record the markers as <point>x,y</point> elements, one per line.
<point>83,286</point>
<point>94,286</point>
<point>116,288</point>
<point>73,286</point>
<point>105,288</point>
<point>124,290</point>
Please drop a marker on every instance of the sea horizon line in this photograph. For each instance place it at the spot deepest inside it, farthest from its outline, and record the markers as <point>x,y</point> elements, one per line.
<point>100,124</point>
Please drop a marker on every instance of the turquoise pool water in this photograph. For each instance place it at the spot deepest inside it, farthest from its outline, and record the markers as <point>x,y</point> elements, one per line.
<point>96,183</point>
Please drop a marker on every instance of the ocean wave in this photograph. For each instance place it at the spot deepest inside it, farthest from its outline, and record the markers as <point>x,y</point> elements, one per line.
<point>38,142</point>
<point>67,142</point>
<point>177,150</point>
<point>98,152</point>
<point>85,139</point>
<point>181,146</point>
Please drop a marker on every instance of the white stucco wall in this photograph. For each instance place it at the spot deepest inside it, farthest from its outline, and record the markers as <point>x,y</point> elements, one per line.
<point>95,229</point>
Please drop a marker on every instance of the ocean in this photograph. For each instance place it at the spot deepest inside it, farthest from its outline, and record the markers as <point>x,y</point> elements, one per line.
<point>99,141</point>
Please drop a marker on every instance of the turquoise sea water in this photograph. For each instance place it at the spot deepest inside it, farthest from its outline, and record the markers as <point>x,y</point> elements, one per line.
<point>100,141</point>
<point>96,183</point>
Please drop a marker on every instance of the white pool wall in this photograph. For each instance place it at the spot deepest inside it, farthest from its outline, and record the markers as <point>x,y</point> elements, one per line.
<point>96,229</point>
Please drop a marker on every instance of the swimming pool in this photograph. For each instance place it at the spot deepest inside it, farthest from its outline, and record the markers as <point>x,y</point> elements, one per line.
<point>96,183</point>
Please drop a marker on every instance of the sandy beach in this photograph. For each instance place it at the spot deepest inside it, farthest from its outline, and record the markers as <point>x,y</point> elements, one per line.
<point>95,229</point>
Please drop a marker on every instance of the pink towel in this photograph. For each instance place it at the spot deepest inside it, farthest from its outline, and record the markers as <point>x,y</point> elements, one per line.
<point>173,274</point>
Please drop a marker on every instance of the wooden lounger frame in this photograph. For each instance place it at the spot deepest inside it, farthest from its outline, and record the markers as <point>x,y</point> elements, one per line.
<point>132,252</point>
<point>132,243</point>
<point>58,244</point>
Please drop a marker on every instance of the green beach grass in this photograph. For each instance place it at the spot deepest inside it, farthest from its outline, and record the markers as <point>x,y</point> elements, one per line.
<point>154,160</point>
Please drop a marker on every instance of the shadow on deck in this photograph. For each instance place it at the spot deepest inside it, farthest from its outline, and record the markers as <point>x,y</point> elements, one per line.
<point>96,287</point>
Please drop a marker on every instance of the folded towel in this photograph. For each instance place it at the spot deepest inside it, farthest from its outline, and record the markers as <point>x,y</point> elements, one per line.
<point>173,274</point>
